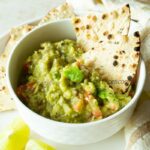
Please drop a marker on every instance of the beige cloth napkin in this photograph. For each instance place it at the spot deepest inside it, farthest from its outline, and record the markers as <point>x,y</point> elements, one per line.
<point>137,130</point>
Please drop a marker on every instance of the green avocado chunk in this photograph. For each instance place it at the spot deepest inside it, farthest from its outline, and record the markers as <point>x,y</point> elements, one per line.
<point>74,74</point>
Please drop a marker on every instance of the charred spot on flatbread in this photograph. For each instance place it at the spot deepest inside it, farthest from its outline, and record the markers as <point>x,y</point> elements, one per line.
<point>123,65</point>
<point>94,18</point>
<point>129,77</point>
<point>137,48</point>
<point>136,34</point>
<point>115,57</point>
<point>110,36</point>
<point>105,33</point>
<point>104,16</point>
<point>115,63</point>
<point>88,27</point>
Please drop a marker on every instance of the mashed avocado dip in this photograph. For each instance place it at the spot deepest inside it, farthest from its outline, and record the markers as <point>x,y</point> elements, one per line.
<point>58,85</point>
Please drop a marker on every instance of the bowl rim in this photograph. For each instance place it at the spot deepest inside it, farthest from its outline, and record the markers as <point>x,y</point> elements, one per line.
<point>142,74</point>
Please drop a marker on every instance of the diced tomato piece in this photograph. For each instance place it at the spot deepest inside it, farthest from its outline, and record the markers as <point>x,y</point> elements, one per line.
<point>97,113</point>
<point>79,63</point>
<point>78,106</point>
<point>26,67</point>
<point>30,86</point>
<point>114,107</point>
<point>87,96</point>
<point>20,91</point>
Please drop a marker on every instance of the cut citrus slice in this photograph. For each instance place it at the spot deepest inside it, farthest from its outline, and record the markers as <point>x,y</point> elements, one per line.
<point>34,144</point>
<point>15,136</point>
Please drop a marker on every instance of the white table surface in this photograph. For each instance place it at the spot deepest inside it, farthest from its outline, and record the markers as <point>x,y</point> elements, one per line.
<point>14,12</point>
<point>116,142</point>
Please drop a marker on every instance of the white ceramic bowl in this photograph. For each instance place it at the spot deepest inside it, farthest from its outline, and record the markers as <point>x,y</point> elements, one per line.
<point>66,133</point>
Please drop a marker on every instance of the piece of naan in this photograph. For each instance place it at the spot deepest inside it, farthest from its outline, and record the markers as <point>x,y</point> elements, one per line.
<point>63,11</point>
<point>6,102</point>
<point>107,44</point>
<point>97,28</point>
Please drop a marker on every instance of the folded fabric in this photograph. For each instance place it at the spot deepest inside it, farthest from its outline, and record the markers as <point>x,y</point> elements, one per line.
<point>137,131</point>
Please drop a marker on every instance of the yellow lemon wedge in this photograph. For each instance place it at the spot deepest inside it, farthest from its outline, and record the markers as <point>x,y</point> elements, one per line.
<point>15,136</point>
<point>34,144</point>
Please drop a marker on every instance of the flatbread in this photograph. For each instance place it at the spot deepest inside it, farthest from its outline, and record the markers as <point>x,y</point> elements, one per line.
<point>6,102</point>
<point>96,27</point>
<point>105,38</point>
<point>61,12</point>
<point>117,59</point>
<point>16,34</point>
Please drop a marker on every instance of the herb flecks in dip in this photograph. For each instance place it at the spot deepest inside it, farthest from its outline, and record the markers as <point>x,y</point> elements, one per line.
<point>58,85</point>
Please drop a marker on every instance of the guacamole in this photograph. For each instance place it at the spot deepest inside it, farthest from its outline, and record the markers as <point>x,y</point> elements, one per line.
<point>57,84</point>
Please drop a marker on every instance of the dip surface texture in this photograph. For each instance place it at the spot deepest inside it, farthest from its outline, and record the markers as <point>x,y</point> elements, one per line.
<point>57,84</point>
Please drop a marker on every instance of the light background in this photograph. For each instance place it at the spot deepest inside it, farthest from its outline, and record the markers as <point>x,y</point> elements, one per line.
<point>14,12</point>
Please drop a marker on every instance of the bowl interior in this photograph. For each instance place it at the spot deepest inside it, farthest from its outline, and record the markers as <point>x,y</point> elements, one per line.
<point>55,31</point>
